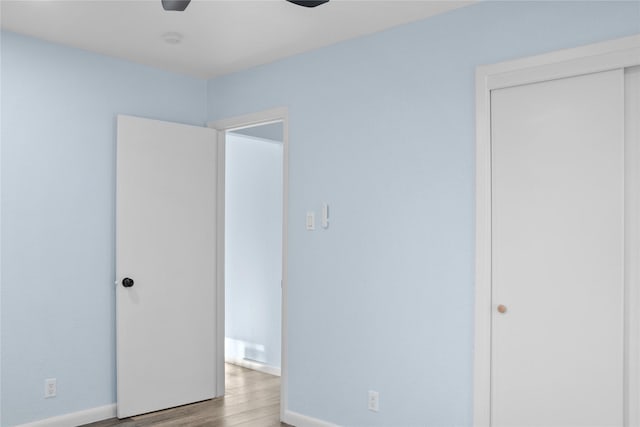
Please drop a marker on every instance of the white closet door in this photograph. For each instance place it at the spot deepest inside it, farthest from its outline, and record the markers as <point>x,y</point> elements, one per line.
<point>558,252</point>
<point>165,243</point>
<point>632,244</point>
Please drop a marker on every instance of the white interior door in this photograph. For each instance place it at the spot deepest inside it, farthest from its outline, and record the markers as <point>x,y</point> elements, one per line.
<point>558,252</point>
<point>165,243</point>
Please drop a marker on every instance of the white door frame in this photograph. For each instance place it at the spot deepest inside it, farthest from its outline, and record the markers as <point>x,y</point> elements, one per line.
<point>609,55</point>
<point>222,126</point>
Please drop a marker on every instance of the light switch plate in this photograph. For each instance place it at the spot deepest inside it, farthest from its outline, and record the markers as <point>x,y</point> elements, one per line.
<point>311,221</point>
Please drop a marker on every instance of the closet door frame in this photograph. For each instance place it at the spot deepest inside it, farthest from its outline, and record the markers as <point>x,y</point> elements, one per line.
<point>609,55</point>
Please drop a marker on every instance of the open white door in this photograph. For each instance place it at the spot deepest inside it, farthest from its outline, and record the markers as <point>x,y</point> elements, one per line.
<point>166,246</point>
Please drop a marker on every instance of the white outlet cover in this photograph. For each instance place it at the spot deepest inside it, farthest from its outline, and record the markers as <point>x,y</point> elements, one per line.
<point>374,401</point>
<point>50,387</point>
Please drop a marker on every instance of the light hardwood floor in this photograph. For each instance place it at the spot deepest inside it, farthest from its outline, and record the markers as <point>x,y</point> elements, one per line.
<point>252,400</point>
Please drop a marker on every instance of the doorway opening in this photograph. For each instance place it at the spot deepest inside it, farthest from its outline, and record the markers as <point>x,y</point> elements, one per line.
<point>253,246</point>
<point>251,306</point>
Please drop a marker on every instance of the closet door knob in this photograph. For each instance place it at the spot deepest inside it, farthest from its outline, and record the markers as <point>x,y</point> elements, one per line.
<point>502,309</point>
<point>127,282</point>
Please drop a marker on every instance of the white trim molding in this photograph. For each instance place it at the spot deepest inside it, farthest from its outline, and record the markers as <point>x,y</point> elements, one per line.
<point>299,420</point>
<point>260,118</point>
<point>76,418</point>
<point>608,55</point>
<point>632,249</point>
<point>256,366</point>
<point>249,120</point>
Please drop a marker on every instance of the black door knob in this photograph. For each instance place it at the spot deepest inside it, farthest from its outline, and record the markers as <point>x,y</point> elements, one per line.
<point>127,282</point>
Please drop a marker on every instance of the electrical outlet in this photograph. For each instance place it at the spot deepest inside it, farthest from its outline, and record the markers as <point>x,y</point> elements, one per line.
<point>50,387</point>
<point>374,400</point>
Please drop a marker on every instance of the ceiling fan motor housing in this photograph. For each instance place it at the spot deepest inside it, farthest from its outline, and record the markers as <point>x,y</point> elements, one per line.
<point>177,5</point>
<point>308,3</point>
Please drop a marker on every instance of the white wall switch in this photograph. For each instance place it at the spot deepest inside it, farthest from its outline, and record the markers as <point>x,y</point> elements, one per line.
<point>374,401</point>
<point>311,221</point>
<point>50,387</point>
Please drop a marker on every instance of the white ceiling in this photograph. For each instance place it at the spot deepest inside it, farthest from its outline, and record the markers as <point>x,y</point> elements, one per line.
<point>219,36</point>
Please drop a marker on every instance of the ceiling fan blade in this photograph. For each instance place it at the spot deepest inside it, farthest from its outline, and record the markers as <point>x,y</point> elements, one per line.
<point>178,5</point>
<point>308,3</point>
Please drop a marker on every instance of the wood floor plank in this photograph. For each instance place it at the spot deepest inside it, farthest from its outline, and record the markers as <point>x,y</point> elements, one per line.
<point>252,399</point>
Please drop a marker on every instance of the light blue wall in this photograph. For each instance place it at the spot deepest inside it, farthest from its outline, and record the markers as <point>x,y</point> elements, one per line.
<point>59,109</point>
<point>253,248</point>
<point>382,128</point>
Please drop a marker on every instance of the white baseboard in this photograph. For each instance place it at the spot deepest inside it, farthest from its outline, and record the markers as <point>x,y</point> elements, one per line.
<point>76,418</point>
<point>299,420</point>
<point>109,411</point>
<point>256,366</point>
